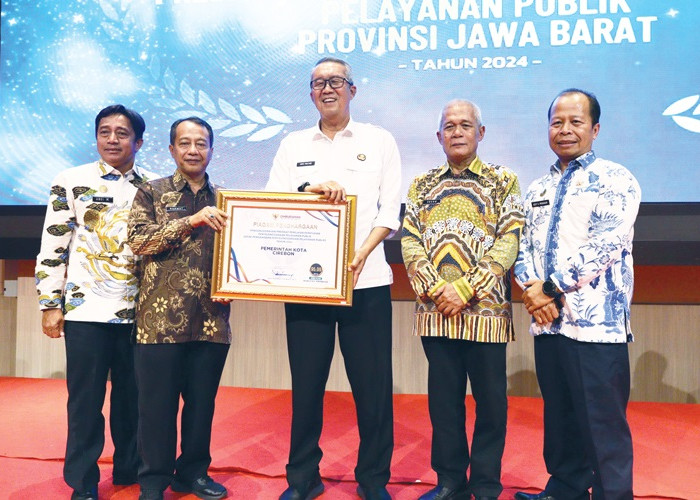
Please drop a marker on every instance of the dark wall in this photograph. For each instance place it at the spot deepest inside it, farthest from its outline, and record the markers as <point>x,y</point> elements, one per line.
<point>666,234</point>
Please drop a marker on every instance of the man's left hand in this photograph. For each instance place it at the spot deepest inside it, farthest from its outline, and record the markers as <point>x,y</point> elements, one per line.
<point>357,264</point>
<point>209,216</point>
<point>221,301</point>
<point>376,236</point>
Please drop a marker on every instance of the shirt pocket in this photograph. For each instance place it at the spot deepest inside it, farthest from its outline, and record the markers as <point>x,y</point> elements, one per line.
<point>171,205</point>
<point>579,210</point>
<point>307,173</point>
<point>363,176</point>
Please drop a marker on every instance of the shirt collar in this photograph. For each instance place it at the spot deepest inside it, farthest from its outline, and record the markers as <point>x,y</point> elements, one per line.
<point>348,131</point>
<point>106,169</point>
<point>138,171</point>
<point>582,161</point>
<point>476,167</point>
<point>180,182</point>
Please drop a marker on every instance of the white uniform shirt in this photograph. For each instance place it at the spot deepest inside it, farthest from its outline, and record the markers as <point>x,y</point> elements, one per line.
<point>362,158</point>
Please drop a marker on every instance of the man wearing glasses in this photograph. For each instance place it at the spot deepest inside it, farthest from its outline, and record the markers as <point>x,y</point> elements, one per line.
<point>335,157</point>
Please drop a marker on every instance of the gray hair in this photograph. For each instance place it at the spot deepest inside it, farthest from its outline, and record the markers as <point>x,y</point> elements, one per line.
<point>475,108</point>
<point>348,68</point>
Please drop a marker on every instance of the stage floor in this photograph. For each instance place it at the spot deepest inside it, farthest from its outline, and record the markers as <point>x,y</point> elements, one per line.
<point>251,440</point>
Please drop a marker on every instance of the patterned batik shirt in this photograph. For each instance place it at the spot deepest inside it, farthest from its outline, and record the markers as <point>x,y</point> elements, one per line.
<point>84,265</point>
<point>578,232</point>
<point>463,229</point>
<point>174,301</point>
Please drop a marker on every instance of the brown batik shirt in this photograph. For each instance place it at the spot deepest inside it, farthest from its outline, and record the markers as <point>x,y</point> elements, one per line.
<point>174,301</point>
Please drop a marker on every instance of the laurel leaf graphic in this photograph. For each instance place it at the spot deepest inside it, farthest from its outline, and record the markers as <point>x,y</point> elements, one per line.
<point>185,113</point>
<point>109,11</point>
<point>166,102</point>
<point>154,67</point>
<point>169,81</point>
<point>690,124</point>
<point>112,31</point>
<point>276,114</point>
<point>239,130</point>
<point>206,102</point>
<point>229,110</point>
<point>252,114</point>
<point>265,133</point>
<point>217,124</point>
<point>681,105</point>
<point>187,92</point>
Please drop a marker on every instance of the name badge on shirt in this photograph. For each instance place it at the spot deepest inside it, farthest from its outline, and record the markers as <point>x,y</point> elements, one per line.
<point>540,203</point>
<point>176,209</point>
<point>306,164</point>
<point>102,199</point>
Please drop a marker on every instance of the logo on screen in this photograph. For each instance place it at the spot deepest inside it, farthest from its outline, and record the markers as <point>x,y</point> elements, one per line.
<point>678,111</point>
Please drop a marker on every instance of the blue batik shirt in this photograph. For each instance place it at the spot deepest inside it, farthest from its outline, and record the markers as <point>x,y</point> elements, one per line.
<point>578,232</point>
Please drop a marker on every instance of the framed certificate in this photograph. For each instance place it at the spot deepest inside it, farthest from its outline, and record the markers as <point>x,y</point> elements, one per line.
<point>289,247</point>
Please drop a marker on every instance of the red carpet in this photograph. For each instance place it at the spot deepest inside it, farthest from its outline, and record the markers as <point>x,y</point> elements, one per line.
<point>250,445</point>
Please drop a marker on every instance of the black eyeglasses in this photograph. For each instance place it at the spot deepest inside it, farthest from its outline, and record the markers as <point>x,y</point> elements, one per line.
<point>335,82</point>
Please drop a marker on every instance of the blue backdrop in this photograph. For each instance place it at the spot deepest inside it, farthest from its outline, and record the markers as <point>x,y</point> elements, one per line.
<point>244,66</point>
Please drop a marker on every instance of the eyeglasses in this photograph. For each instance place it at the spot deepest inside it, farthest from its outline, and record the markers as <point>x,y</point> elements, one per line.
<point>335,82</point>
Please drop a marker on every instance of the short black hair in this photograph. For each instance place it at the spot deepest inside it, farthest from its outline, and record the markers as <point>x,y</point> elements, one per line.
<point>193,119</point>
<point>134,118</point>
<point>593,104</point>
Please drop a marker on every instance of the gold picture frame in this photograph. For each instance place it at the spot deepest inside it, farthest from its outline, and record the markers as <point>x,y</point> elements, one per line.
<point>286,247</point>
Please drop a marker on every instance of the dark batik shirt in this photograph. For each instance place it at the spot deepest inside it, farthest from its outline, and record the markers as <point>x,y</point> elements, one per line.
<point>174,302</point>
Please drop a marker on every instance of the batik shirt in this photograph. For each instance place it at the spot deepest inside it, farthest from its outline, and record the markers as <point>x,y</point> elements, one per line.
<point>174,301</point>
<point>463,229</point>
<point>84,265</point>
<point>578,233</point>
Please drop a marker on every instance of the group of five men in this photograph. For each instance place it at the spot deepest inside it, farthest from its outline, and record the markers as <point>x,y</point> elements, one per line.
<point>121,248</point>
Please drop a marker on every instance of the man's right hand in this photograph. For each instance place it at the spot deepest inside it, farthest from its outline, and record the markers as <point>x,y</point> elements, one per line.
<point>331,190</point>
<point>52,323</point>
<point>448,301</point>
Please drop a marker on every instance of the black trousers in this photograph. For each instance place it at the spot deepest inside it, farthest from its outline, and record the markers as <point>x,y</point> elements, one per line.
<point>94,351</point>
<point>587,441</point>
<point>364,333</point>
<point>450,363</point>
<point>165,372</point>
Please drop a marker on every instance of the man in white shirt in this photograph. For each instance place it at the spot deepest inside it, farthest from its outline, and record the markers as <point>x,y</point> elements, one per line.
<point>87,284</point>
<point>335,157</point>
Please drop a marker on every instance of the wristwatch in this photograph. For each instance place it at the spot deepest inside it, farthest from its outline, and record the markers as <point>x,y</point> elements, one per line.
<point>303,187</point>
<point>550,289</point>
